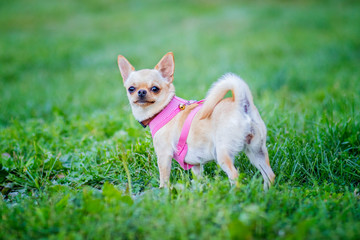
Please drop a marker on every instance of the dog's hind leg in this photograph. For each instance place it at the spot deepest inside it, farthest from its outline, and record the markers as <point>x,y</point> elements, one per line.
<point>259,157</point>
<point>227,164</point>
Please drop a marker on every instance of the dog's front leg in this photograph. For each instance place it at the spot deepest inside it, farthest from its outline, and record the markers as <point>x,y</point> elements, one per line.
<point>164,155</point>
<point>198,170</point>
<point>164,164</point>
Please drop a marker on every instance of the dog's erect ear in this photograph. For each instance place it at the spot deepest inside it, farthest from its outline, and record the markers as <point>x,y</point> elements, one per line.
<point>125,67</point>
<point>166,66</point>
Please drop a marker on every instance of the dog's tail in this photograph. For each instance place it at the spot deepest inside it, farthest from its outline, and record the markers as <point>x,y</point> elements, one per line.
<point>229,82</point>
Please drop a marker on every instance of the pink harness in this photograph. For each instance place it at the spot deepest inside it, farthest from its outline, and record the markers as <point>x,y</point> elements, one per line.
<point>169,112</point>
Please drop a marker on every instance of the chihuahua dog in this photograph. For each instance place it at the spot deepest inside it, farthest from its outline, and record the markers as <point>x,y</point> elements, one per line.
<point>195,133</point>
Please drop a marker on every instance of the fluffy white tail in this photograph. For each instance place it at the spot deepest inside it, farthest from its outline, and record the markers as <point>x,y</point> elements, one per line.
<point>229,82</point>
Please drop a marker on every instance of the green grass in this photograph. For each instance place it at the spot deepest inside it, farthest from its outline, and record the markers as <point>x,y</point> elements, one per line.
<point>75,164</point>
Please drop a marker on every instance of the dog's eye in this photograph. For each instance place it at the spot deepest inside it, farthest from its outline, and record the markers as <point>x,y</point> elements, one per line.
<point>131,89</point>
<point>155,89</point>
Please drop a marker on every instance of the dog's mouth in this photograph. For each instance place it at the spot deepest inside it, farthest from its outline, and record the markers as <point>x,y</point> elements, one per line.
<point>143,102</point>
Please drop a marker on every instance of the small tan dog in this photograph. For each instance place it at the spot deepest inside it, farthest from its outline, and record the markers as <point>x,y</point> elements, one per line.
<point>220,130</point>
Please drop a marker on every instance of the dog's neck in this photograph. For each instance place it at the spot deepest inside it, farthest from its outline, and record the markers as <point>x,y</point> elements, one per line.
<point>146,121</point>
<point>166,114</point>
<point>143,113</point>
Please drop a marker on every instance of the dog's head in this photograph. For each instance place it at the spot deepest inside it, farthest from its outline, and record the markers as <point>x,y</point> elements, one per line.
<point>148,90</point>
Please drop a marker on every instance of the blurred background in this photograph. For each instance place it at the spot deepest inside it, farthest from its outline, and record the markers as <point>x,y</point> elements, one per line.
<point>59,57</point>
<point>66,128</point>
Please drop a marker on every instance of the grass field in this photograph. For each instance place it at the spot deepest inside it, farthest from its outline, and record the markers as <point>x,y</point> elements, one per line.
<point>76,165</point>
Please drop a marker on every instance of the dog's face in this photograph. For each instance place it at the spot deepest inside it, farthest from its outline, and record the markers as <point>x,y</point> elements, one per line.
<point>148,90</point>
<point>146,87</point>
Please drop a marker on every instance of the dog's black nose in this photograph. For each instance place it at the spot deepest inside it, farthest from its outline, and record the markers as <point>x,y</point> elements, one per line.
<point>142,93</point>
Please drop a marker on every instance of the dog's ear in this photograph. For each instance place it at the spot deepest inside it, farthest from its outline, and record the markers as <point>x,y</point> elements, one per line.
<point>125,67</point>
<point>166,66</point>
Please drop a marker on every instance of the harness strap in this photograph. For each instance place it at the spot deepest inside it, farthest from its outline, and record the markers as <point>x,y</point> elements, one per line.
<point>169,112</point>
<point>182,147</point>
